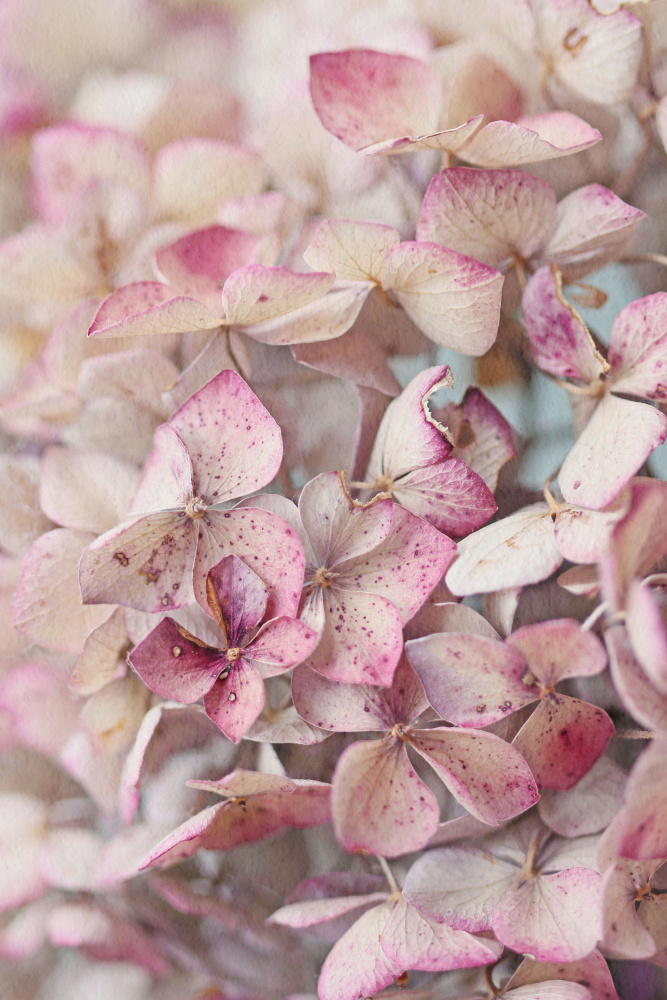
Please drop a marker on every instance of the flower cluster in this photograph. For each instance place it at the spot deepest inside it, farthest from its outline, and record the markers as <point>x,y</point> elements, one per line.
<point>334,662</point>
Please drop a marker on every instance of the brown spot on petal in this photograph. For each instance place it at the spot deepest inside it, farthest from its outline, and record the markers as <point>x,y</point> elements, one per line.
<point>122,558</point>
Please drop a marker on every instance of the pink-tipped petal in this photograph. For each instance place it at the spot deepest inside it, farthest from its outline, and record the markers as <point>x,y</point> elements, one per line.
<point>379,803</point>
<point>637,347</point>
<point>532,139</point>
<point>354,251</point>
<point>451,298</point>
<point>280,644</point>
<point>257,294</point>
<point>491,215</point>
<point>149,307</point>
<point>357,965</point>
<point>560,648</point>
<point>485,774</point>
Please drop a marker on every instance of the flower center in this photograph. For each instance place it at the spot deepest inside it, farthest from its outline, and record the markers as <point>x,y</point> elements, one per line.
<point>233,653</point>
<point>195,508</point>
<point>384,482</point>
<point>323,577</point>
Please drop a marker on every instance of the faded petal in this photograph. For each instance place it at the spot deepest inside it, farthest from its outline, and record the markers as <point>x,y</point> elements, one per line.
<point>338,530</point>
<point>532,139</point>
<point>257,294</point>
<point>357,965</point>
<point>418,942</point>
<point>354,251</point>
<point>150,307</point>
<point>638,348</point>
<point>379,803</point>
<point>453,299</point>
<point>557,649</point>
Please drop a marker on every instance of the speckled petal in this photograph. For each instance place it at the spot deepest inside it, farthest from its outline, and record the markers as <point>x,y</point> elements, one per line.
<point>176,667</point>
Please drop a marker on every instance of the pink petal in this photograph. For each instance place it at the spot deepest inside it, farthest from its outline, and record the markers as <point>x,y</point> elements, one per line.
<point>279,645</point>
<point>198,264</point>
<point>379,803</point>
<point>234,442</point>
<point>166,479</point>
<point>255,293</point>
<point>639,541</point>
<point>449,140</point>
<point>241,594</point>
<point>591,228</point>
<point>562,740</point>
<point>555,918</point>
<point>624,935</point>
<point>387,571</point>
<point>175,667</point>
<point>617,440</point>
<point>518,550</point>
<point>560,648</point>
<point>348,708</point>
<point>264,542</point>
<point>101,656</point>
<point>491,215</point>
<point>357,965</point>
<point>47,604</point>
<point>149,307</point>
<point>469,680</point>
<point>364,96</point>
<point>312,911</point>
<point>361,637</point>
<point>637,348</point>
<point>417,942</point>
<point>449,495</point>
<point>460,886</point>
<point>325,318</point>
<point>354,251</point>
<point>482,437</point>
<point>532,139</point>
<point>485,774</point>
<point>637,694</point>
<point>451,298</point>
<point>234,703</point>
<point>643,824</point>
<point>144,564</point>
<point>409,437</point>
<point>448,617</point>
<point>559,340</point>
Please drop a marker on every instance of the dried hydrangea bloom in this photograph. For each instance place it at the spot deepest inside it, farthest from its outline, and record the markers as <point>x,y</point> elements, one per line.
<point>472,681</point>
<point>361,587</point>
<point>451,298</point>
<point>228,676</point>
<point>220,445</point>
<point>379,803</point>
<point>539,895</point>
<point>621,433</point>
<point>385,941</point>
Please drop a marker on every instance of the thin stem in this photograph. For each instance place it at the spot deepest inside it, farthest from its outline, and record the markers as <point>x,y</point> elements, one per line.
<point>529,869</point>
<point>388,874</point>
<point>637,734</point>
<point>594,616</point>
<point>645,258</point>
<point>492,989</point>
<point>519,266</point>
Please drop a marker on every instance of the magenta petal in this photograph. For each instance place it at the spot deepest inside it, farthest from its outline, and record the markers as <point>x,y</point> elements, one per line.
<point>558,649</point>
<point>562,740</point>
<point>470,680</point>
<point>364,96</point>
<point>241,594</point>
<point>234,703</point>
<point>485,774</point>
<point>418,942</point>
<point>559,340</point>
<point>279,644</point>
<point>379,803</point>
<point>357,965</point>
<point>175,667</point>
<point>405,581</point>
<point>555,918</point>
